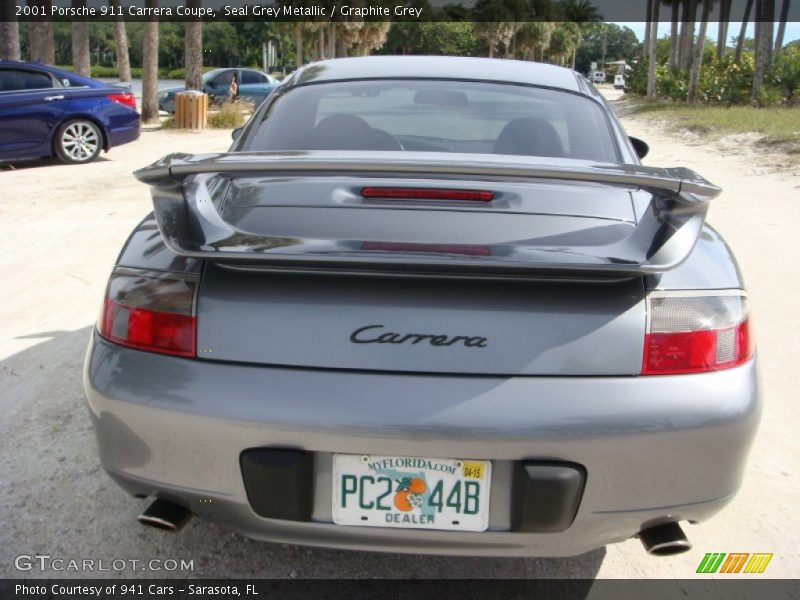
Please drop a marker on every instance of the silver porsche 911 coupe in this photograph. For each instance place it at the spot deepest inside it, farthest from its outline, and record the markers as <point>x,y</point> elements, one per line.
<point>428,305</point>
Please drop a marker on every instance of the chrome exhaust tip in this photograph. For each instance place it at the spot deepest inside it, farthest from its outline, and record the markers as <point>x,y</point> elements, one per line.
<point>163,514</point>
<point>666,539</point>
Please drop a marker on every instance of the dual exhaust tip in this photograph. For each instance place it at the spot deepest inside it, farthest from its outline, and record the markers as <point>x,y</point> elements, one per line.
<point>666,539</point>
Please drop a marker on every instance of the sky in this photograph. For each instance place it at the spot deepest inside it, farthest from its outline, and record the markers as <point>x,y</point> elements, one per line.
<point>792,30</point>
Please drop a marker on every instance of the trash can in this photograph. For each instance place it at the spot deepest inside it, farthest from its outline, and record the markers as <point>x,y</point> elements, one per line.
<point>191,110</point>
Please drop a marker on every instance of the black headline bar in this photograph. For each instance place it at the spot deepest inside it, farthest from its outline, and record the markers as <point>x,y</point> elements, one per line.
<point>354,10</point>
<point>733,588</point>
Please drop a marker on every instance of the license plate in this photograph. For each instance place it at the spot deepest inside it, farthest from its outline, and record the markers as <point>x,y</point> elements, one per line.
<point>411,492</point>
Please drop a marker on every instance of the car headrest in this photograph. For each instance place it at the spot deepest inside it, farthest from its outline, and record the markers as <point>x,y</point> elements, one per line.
<point>529,136</point>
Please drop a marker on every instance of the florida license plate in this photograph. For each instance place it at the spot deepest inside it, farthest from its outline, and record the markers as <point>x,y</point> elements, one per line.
<point>411,492</point>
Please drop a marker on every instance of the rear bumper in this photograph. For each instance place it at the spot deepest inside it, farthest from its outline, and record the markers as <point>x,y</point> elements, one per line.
<point>657,448</point>
<point>123,134</point>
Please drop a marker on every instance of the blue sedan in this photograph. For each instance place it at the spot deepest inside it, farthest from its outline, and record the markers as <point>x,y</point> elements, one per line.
<point>250,84</point>
<point>45,112</point>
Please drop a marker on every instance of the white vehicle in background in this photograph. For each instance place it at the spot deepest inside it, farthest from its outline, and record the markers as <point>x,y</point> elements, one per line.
<point>598,77</point>
<point>619,77</point>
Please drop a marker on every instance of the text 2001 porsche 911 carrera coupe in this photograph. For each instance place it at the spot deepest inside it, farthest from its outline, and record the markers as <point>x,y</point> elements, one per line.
<point>429,305</point>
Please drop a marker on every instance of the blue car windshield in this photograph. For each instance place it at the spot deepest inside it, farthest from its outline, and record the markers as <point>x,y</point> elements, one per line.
<point>435,116</point>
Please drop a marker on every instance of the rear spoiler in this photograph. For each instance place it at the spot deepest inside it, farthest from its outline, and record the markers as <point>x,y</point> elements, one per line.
<point>191,223</point>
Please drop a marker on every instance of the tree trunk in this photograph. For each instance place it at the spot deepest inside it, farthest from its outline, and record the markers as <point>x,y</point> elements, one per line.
<point>652,44</point>
<point>782,26</point>
<point>648,20</point>
<point>697,62</point>
<point>331,40</point>
<point>722,32</point>
<point>765,13</point>
<point>193,49</point>
<point>80,43</point>
<point>40,36</point>
<point>740,42</point>
<point>150,67</point>
<point>9,32</point>
<point>298,45</point>
<point>688,33</point>
<point>321,43</point>
<point>121,42</point>
<point>673,34</point>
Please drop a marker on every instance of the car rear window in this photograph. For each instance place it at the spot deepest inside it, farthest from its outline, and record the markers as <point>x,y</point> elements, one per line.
<point>14,80</point>
<point>252,77</point>
<point>435,116</point>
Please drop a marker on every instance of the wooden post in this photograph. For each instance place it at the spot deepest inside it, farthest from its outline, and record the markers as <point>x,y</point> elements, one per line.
<point>191,110</point>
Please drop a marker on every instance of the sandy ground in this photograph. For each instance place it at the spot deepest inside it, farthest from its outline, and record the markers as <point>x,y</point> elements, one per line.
<point>60,230</point>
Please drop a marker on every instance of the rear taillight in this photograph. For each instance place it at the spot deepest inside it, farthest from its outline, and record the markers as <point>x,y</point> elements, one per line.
<point>150,310</point>
<point>125,98</point>
<point>403,193</point>
<point>692,332</point>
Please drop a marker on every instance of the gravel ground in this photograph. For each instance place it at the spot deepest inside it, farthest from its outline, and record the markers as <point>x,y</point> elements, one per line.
<point>60,230</point>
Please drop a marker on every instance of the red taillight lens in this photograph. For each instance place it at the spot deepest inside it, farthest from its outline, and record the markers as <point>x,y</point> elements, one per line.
<point>125,98</point>
<point>398,193</point>
<point>692,332</point>
<point>150,311</point>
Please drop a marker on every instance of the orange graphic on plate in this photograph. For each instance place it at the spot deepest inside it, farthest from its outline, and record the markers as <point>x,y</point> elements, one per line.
<point>409,493</point>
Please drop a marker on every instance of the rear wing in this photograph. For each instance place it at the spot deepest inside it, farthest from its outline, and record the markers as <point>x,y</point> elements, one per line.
<point>192,224</point>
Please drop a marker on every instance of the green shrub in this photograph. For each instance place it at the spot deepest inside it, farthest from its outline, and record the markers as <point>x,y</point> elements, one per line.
<point>181,73</point>
<point>229,116</point>
<point>770,95</point>
<point>785,73</point>
<point>727,82</point>
<point>100,71</point>
<point>671,83</point>
<point>636,79</point>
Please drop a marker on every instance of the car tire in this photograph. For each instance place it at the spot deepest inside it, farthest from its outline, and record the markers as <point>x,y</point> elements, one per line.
<point>78,141</point>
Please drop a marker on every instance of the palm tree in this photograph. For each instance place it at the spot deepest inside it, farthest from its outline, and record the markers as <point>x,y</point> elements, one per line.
<point>297,30</point>
<point>331,40</point>
<point>371,36</point>
<point>564,42</point>
<point>121,44</point>
<point>652,43</point>
<point>80,43</point>
<point>737,57</point>
<point>150,67</point>
<point>697,62</point>
<point>687,33</point>
<point>722,32</point>
<point>534,38</point>
<point>193,49</point>
<point>782,25</point>
<point>673,32</point>
<point>40,34</point>
<point>580,11</point>
<point>765,14</point>
<point>9,32</point>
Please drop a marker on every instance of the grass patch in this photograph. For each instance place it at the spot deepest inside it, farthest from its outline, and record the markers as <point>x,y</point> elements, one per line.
<point>229,116</point>
<point>780,127</point>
